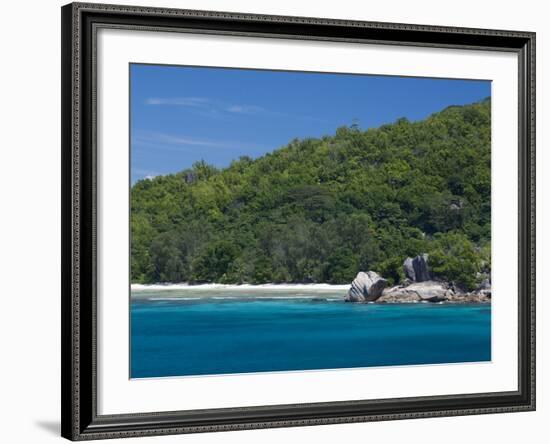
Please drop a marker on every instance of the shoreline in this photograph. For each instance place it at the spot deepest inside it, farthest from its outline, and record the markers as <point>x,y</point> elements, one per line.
<point>313,292</point>
<point>235,287</point>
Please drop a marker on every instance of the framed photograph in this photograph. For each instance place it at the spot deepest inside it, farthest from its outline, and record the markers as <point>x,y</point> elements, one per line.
<point>283,221</point>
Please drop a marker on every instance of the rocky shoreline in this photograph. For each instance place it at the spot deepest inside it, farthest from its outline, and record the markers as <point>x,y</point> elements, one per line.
<point>419,286</point>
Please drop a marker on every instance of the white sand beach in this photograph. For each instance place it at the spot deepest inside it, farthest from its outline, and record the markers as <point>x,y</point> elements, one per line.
<point>229,287</point>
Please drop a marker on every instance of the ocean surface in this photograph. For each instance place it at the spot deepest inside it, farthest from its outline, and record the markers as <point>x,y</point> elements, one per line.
<point>220,331</point>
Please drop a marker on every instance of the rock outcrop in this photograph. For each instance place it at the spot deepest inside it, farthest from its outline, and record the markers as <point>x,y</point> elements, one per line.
<point>430,291</point>
<point>485,285</point>
<point>366,287</point>
<point>419,286</point>
<point>421,269</point>
<point>408,268</point>
<point>416,269</point>
<point>398,295</point>
<point>470,298</point>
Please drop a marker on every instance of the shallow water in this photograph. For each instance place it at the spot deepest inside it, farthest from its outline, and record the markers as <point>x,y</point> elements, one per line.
<point>238,331</point>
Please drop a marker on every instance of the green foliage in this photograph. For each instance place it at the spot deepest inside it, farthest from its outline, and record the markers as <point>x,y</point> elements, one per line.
<point>341,266</point>
<point>454,258</point>
<point>320,210</point>
<point>392,270</point>
<point>214,262</point>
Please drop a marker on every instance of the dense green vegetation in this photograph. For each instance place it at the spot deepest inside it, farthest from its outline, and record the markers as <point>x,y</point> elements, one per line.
<point>320,210</point>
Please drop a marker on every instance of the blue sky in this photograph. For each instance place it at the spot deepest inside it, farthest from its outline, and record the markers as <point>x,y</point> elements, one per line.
<point>180,115</point>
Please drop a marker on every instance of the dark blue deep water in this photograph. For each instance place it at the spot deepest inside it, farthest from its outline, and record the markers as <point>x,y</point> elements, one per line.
<point>206,336</point>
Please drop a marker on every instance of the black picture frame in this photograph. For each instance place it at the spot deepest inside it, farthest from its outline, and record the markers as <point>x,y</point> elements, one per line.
<point>80,420</point>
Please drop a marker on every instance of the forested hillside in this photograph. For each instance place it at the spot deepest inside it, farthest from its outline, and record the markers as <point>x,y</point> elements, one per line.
<point>320,210</point>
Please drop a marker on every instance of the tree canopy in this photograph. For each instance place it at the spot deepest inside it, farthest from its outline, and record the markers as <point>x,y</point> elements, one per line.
<point>320,210</point>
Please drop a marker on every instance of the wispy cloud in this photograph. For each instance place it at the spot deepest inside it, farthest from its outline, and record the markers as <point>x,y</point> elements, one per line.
<point>206,105</point>
<point>170,142</point>
<point>193,102</point>
<point>216,109</point>
<point>245,109</point>
<point>184,141</point>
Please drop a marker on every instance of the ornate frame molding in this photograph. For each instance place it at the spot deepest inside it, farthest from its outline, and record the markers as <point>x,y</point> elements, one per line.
<point>80,420</point>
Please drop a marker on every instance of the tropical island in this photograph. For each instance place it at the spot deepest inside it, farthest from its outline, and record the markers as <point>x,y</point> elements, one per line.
<point>322,210</point>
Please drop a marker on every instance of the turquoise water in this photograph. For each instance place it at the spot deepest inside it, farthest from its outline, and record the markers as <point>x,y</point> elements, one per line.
<point>205,336</point>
